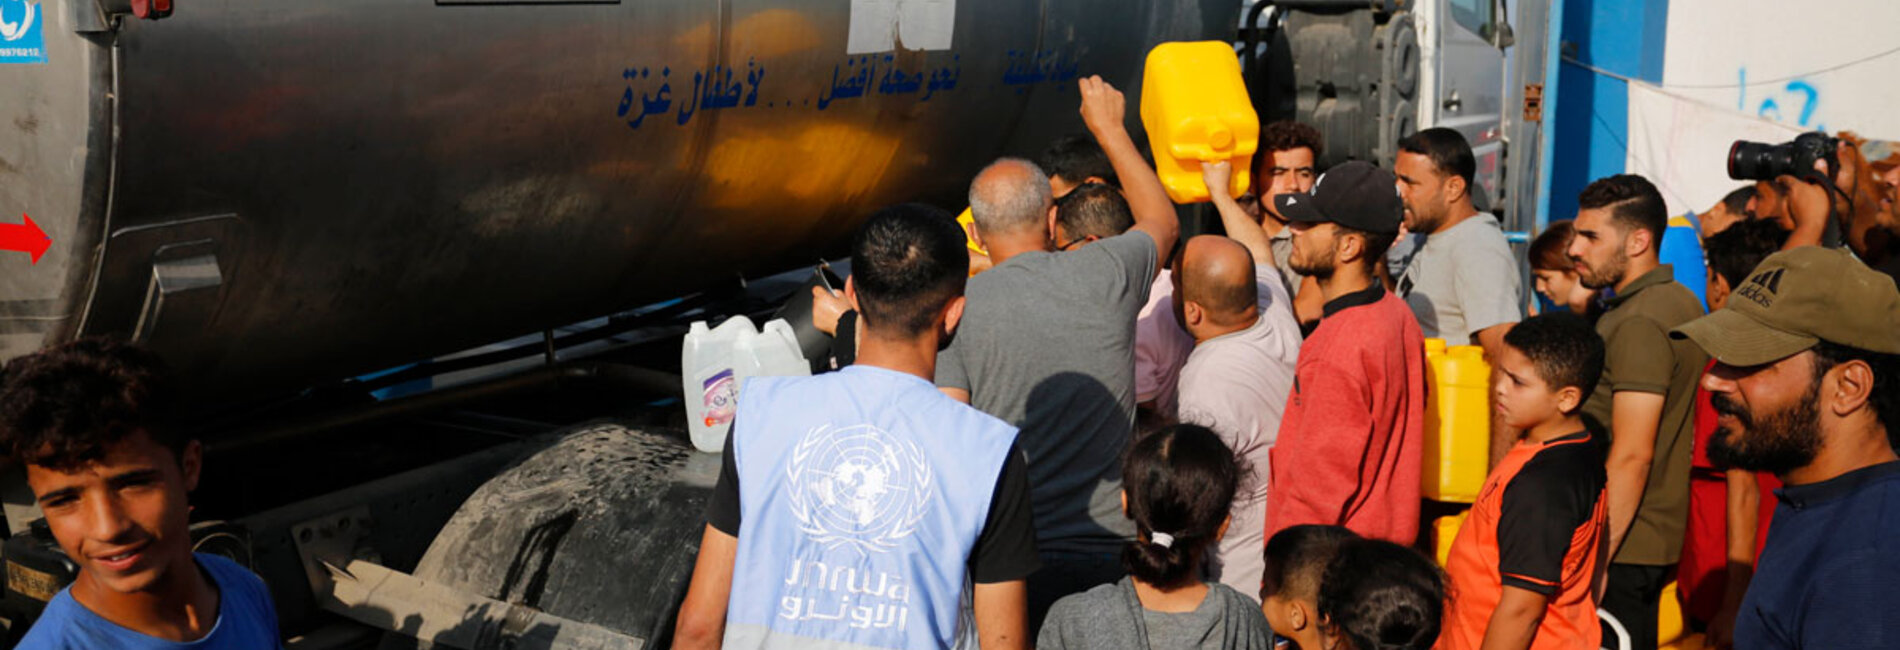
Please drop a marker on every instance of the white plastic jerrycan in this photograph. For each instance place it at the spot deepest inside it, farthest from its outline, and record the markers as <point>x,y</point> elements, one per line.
<point>714,364</point>
<point>711,383</point>
<point>773,353</point>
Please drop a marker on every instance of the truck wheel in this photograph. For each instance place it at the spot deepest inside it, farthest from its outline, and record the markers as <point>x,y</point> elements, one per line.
<point>1399,39</point>
<point>601,526</point>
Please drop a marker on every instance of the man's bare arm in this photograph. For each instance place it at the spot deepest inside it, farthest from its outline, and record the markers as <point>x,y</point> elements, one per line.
<point>1634,417</point>
<point>1002,614</point>
<point>1513,625</point>
<point>702,619</point>
<point>1240,226</point>
<point>1103,110</point>
<point>1808,205</point>
<point>1744,519</point>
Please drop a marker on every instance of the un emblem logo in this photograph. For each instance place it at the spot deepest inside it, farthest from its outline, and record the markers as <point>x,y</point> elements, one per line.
<point>857,486</point>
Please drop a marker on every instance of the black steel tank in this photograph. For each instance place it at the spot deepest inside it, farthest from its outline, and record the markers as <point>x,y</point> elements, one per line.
<point>277,193</point>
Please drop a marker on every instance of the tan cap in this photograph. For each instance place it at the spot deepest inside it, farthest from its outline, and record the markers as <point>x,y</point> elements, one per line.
<point>1797,298</point>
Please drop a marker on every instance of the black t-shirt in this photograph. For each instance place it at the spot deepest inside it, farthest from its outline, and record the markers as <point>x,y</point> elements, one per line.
<point>1004,551</point>
<point>1544,506</point>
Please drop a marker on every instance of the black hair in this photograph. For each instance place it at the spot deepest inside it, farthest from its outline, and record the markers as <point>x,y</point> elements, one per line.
<point>1076,158</point>
<point>1549,251</point>
<point>1285,135</point>
<point>907,262</point>
<point>62,407</point>
<point>1736,201</point>
<point>1564,349</point>
<point>1377,243</point>
<point>1633,201</point>
<point>1738,249</point>
<point>1883,396</point>
<point>1180,482</point>
<point>1449,152</point>
<point>1296,559</point>
<point>1094,209</point>
<point>1382,596</point>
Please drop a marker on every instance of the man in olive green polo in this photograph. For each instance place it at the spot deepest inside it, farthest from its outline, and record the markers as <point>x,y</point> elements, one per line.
<point>1645,400</point>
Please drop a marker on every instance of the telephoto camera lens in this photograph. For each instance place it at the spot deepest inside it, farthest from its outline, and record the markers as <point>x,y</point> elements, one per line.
<point>1759,161</point>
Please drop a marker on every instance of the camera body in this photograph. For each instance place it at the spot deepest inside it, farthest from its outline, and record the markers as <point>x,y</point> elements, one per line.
<point>1759,161</point>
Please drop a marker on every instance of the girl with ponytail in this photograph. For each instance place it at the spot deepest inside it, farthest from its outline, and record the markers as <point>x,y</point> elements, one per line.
<point>1177,484</point>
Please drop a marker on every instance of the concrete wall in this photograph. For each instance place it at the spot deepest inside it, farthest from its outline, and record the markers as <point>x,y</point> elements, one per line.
<point>1832,65</point>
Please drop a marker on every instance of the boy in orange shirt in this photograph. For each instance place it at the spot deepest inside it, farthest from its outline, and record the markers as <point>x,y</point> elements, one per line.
<point>1522,565</point>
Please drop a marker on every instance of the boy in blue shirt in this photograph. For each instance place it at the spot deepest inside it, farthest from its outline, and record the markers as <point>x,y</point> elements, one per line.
<point>93,421</point>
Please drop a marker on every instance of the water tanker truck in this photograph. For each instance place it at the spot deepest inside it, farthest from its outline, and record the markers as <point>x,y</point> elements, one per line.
<point>281,196</point>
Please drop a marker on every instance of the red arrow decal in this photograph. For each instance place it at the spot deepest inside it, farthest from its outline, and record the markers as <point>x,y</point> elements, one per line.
<point>26,238</point>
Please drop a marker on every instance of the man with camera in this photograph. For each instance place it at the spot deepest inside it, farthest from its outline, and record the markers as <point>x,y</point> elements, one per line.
<point>1824,181</point>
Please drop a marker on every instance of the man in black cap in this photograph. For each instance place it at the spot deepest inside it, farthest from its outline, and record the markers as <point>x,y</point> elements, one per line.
<point>1348,452</point>
<point>1807,384</point>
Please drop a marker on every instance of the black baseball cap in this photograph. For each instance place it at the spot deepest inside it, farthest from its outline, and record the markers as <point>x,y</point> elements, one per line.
<point>1354,194</point>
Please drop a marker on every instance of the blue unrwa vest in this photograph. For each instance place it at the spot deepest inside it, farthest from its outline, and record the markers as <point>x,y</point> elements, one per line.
<point>861,494</point>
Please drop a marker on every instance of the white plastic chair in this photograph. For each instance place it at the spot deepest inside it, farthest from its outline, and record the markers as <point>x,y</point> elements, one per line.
<point>1616,626</point>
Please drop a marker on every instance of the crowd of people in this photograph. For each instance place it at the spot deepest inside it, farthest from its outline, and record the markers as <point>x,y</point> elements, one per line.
<point>1063,425</point>
<point>1206,420</point>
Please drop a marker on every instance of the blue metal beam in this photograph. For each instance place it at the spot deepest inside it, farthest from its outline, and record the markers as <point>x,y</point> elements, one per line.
<point>1592,117</point>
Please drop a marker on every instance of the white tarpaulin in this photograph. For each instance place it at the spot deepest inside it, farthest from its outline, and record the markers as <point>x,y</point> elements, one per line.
<point>1682,145</point>
<point>883,25</point>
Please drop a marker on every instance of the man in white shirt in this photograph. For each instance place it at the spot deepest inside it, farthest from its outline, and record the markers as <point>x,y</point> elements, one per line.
<point>1230,297</point>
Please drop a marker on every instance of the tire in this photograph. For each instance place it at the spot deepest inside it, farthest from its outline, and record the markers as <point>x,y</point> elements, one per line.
<point>602,526</point>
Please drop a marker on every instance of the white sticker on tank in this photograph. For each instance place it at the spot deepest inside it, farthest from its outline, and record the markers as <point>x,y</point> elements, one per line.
<point>884,25</point>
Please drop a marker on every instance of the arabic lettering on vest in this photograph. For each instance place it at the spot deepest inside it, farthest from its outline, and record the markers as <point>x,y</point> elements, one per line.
<point>854,488</point>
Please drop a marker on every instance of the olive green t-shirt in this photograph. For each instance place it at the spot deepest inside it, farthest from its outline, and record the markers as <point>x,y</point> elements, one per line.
<point>1640,356</point>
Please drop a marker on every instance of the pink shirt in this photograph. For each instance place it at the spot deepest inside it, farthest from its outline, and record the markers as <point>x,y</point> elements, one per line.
<point>1237,384</point>
<point>1161,347</point>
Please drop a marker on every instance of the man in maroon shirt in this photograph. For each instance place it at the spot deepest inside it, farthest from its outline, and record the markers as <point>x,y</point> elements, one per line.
<point>1348,452</point>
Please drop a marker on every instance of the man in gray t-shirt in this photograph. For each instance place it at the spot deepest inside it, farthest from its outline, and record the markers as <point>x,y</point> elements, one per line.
<point>1463,282</point>
<point>1047,343</point>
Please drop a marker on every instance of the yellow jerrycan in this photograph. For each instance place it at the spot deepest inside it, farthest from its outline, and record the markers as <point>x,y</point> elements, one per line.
<point>1444,532</point>
<point>1195,108</point>
<point>1457,422</point>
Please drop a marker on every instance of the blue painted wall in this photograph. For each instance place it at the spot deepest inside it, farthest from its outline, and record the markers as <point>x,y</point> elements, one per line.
<point>1592,123</point>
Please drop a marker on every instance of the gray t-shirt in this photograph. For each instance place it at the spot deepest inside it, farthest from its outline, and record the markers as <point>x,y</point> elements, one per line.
<point>1463,280</point>
<point>1110,617</point>
<point>1047,344</point>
